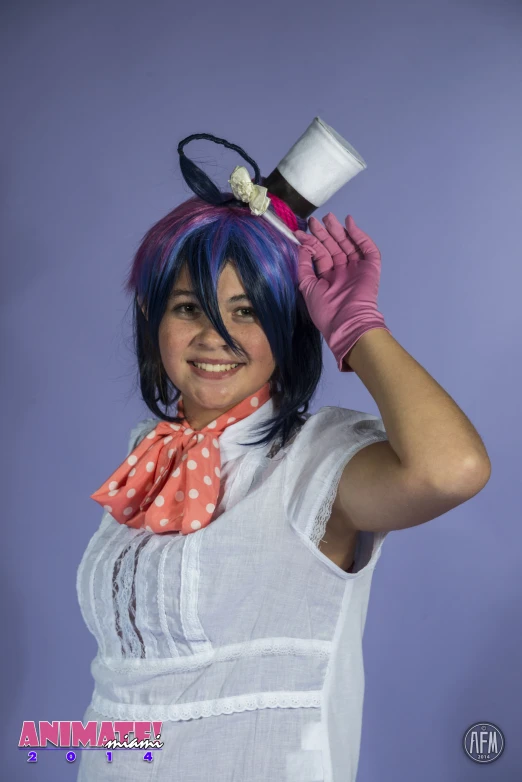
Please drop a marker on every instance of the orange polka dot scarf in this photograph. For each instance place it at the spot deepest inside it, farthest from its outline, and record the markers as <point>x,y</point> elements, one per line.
<point>170,482</point>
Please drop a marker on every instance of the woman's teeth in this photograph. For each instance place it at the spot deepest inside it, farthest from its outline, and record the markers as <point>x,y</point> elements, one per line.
<point>215,367</point>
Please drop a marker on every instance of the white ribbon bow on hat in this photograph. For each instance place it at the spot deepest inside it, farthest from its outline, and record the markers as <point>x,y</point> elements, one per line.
<point>245,190</point>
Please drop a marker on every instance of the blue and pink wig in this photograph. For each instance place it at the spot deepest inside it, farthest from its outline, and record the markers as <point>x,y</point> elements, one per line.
<point>204,236</point>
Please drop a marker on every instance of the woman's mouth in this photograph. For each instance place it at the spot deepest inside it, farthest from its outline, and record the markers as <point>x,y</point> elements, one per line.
<point>214,371</point>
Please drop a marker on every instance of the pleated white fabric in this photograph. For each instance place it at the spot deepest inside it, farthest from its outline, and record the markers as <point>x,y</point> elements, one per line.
<point>243,638</point>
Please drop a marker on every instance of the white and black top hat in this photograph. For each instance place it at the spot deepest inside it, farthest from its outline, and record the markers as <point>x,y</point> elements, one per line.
<point>317,165</point>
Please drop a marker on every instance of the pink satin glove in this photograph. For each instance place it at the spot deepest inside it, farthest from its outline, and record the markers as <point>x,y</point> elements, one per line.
<point>341,291</point>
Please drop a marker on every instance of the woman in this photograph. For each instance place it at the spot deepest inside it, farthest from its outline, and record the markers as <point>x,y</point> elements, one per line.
<point>228,584</point>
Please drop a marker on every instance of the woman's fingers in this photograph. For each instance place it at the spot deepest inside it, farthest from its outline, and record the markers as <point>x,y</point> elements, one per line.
<point>327,240</point>
<point>365,244</point>
<point>321,256</point>
<point>340,235</point>
<point>334,245</point>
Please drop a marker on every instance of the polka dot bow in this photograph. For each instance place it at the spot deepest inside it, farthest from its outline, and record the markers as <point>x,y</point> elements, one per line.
<point>170,482</point>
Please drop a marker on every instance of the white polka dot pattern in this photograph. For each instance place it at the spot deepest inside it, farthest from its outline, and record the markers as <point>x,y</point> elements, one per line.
<point>173,489</point>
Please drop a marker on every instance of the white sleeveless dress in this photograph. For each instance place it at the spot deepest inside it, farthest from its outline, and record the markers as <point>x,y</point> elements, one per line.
<point>243,638</point>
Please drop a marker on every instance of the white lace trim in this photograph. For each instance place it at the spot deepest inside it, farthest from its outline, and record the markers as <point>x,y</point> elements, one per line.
<point>104,551</point>
<point>318,525</point>
<point>284,699</point>
<point>256,648</point>
<point>124,596</point>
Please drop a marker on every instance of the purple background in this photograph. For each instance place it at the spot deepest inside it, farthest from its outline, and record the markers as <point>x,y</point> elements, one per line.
<point>96,97</point>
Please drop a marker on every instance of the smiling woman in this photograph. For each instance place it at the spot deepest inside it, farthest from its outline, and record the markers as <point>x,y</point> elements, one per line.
<point>227,496</point>
<point>212,283</point>
<point>228,583</point>
<point>187,337</point>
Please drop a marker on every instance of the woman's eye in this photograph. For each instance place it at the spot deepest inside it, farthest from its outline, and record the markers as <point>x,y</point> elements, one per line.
<point>180,308</point>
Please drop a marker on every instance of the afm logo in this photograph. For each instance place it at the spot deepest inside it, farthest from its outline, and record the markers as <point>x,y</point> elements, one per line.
<point>484,742</point>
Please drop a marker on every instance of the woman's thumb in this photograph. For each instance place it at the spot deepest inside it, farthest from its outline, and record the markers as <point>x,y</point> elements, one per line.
<point>305,269</point>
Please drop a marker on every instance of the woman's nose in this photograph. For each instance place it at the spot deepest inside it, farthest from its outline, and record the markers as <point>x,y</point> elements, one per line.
<point>208,335</point>
<point>208,338</point>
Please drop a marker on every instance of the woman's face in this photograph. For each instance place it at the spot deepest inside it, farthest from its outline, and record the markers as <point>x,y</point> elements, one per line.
<point>186,335</point>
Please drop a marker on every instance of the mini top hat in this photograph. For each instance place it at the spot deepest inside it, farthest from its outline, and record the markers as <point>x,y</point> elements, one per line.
<point>312,171</point>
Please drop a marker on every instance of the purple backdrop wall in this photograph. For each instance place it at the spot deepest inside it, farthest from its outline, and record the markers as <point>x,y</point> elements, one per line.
<point>96,97</point>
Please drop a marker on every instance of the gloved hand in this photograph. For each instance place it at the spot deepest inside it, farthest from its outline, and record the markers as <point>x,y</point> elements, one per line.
<point>341,291</point>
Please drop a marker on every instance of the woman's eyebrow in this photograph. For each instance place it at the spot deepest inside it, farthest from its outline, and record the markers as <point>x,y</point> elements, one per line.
<point>185,292</point>
<point>181,292</point>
